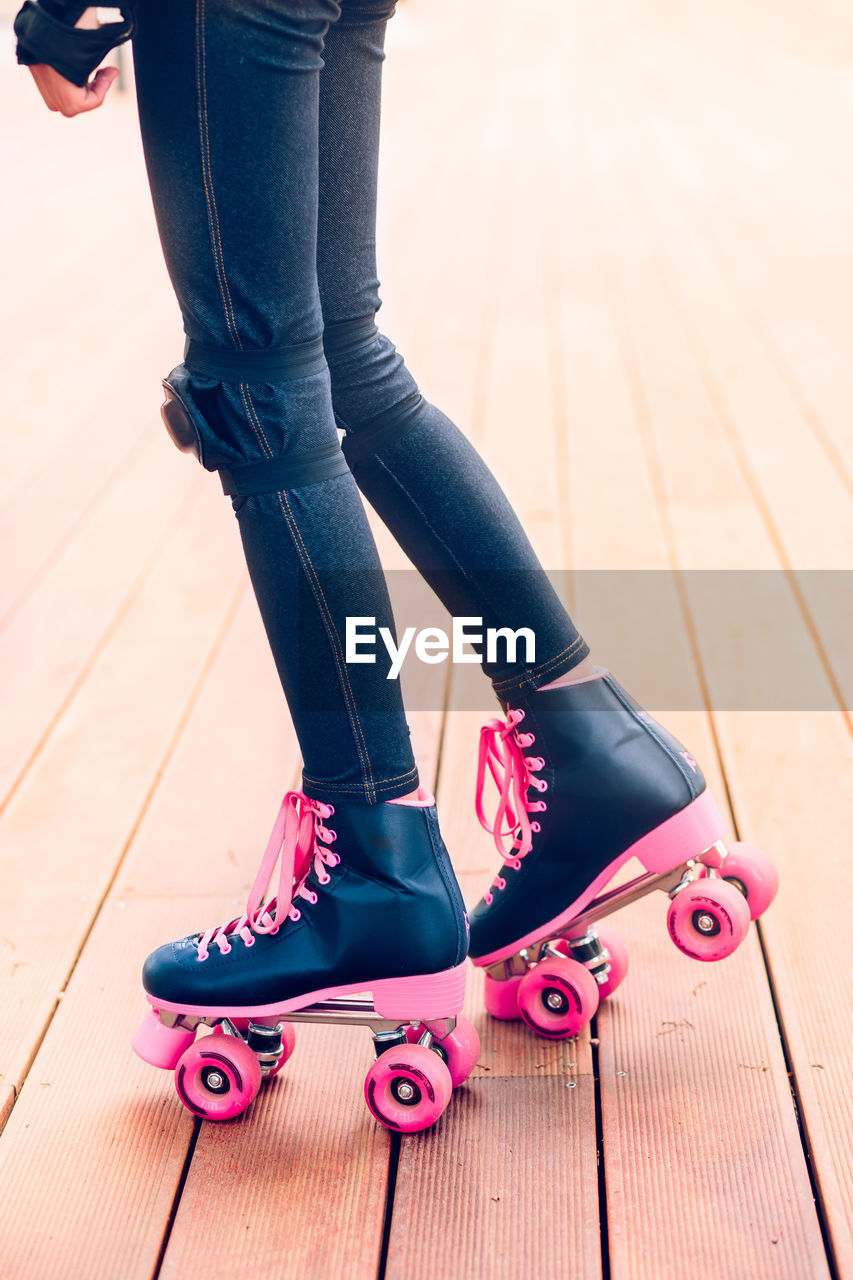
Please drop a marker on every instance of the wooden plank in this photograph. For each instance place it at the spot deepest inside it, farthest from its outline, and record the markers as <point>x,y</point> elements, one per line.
<point>506,1193</point>
<point>73,814</point>
<point>91,585</point>
<point>83,463</point>
<point>669,379</point>
<point>655,1191</point>
<point>788,475</point>
<point>44,402</point>
<point>7,1101</point>
<point>210,817</point>
<point>93,1152</point>
<point>697,1117</point>
<point>298,1186</point>
<point>773,762</point>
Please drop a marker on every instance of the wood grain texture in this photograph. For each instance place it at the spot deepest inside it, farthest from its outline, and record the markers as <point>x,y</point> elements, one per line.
<point>510,1190</point>
<point>79,372</point>
<point>298,1185</point>
<point>90,585</point>
<point>91,1156</point>
<point>7,1101</point>
<point>209,820</point>
<point>698,1120</point>
<point>671,498</point>
<point>69,822</point>
<point>784,796</point>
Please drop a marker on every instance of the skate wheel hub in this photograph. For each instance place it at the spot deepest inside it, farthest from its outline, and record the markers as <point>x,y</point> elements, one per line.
<point>555,1000</point>
<point>215,1081</point>
<point>705,923</point>
<point>407,1092</point>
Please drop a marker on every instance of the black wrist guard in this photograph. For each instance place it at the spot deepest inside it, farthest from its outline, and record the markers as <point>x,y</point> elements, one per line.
<point>46,33</point>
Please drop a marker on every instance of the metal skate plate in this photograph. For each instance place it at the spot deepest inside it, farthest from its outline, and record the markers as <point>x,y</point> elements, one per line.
<point>352,1009</point>
<point>605,904</point>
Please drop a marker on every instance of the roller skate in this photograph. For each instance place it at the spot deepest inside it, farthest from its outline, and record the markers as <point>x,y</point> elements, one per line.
<point>367,926</point>
<point>587,781</point>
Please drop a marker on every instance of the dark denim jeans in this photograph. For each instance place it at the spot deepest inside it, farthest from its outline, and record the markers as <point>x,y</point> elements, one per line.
<point>260,122</point>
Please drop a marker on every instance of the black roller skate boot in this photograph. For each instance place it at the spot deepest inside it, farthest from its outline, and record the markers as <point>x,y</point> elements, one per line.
<point>371,906</point>
<point>587,781</point>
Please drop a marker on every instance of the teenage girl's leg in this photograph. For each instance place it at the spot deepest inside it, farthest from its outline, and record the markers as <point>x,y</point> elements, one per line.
<point>415,467</point>
<point>228,97</point>
<point>586,772</point>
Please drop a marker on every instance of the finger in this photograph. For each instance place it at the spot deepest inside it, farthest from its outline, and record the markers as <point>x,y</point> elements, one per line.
<point>96,90</point>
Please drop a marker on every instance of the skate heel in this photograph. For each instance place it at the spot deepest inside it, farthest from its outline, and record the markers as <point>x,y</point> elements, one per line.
<point>684,836</point>
<point>424,997</point>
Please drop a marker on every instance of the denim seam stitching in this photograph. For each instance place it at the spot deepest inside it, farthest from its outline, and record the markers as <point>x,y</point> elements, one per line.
<point>254,418</point>
<point>334,640</point>
<point>207,177</point>
<point>225,295</point>
<point>542,669</point>
<point>325,612</point>
<point>383,785</point>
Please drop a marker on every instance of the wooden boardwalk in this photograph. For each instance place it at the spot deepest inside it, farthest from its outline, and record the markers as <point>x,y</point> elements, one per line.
<point>616,248</point>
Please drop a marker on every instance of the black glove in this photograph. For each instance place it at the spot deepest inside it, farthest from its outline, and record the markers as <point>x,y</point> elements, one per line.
<point>46,33</point>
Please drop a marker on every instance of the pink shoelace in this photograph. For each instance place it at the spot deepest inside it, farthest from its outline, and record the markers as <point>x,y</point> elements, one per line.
<point>295,839</point>
<point>502,750</point>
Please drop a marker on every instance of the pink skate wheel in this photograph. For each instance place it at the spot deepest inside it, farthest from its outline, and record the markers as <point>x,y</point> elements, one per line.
<point>460,1050</point>
<point>749,869</point>
<point>558,997</point>
<point>501,998</point>
<point>161,1046</point>
<point>408,1088</point>
<point>218,1077</point>
<point>618,959</point>
<point>708,919</point>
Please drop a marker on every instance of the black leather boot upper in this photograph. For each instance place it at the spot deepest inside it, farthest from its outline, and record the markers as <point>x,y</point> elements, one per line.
<point>612,775</point>
<point>391,908</point>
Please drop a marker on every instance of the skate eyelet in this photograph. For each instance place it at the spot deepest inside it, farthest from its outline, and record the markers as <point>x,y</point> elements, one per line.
<point>534,826</point>
<point>294,914</point>
<point>312,897</point>
<point>487,898</point>
<point>248,942</point>
<point>333,835</point>
<point>225,951</point>
<point>324,880</point>
<point>202,955</point>
<point>516,864</point>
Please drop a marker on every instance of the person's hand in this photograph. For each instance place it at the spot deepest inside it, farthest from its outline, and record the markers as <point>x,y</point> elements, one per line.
<point>71,99</point>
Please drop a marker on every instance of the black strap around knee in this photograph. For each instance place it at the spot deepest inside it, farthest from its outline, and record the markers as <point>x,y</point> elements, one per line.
<point>274,364</point>
<point>378,432</point>
<point>287,471</point>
